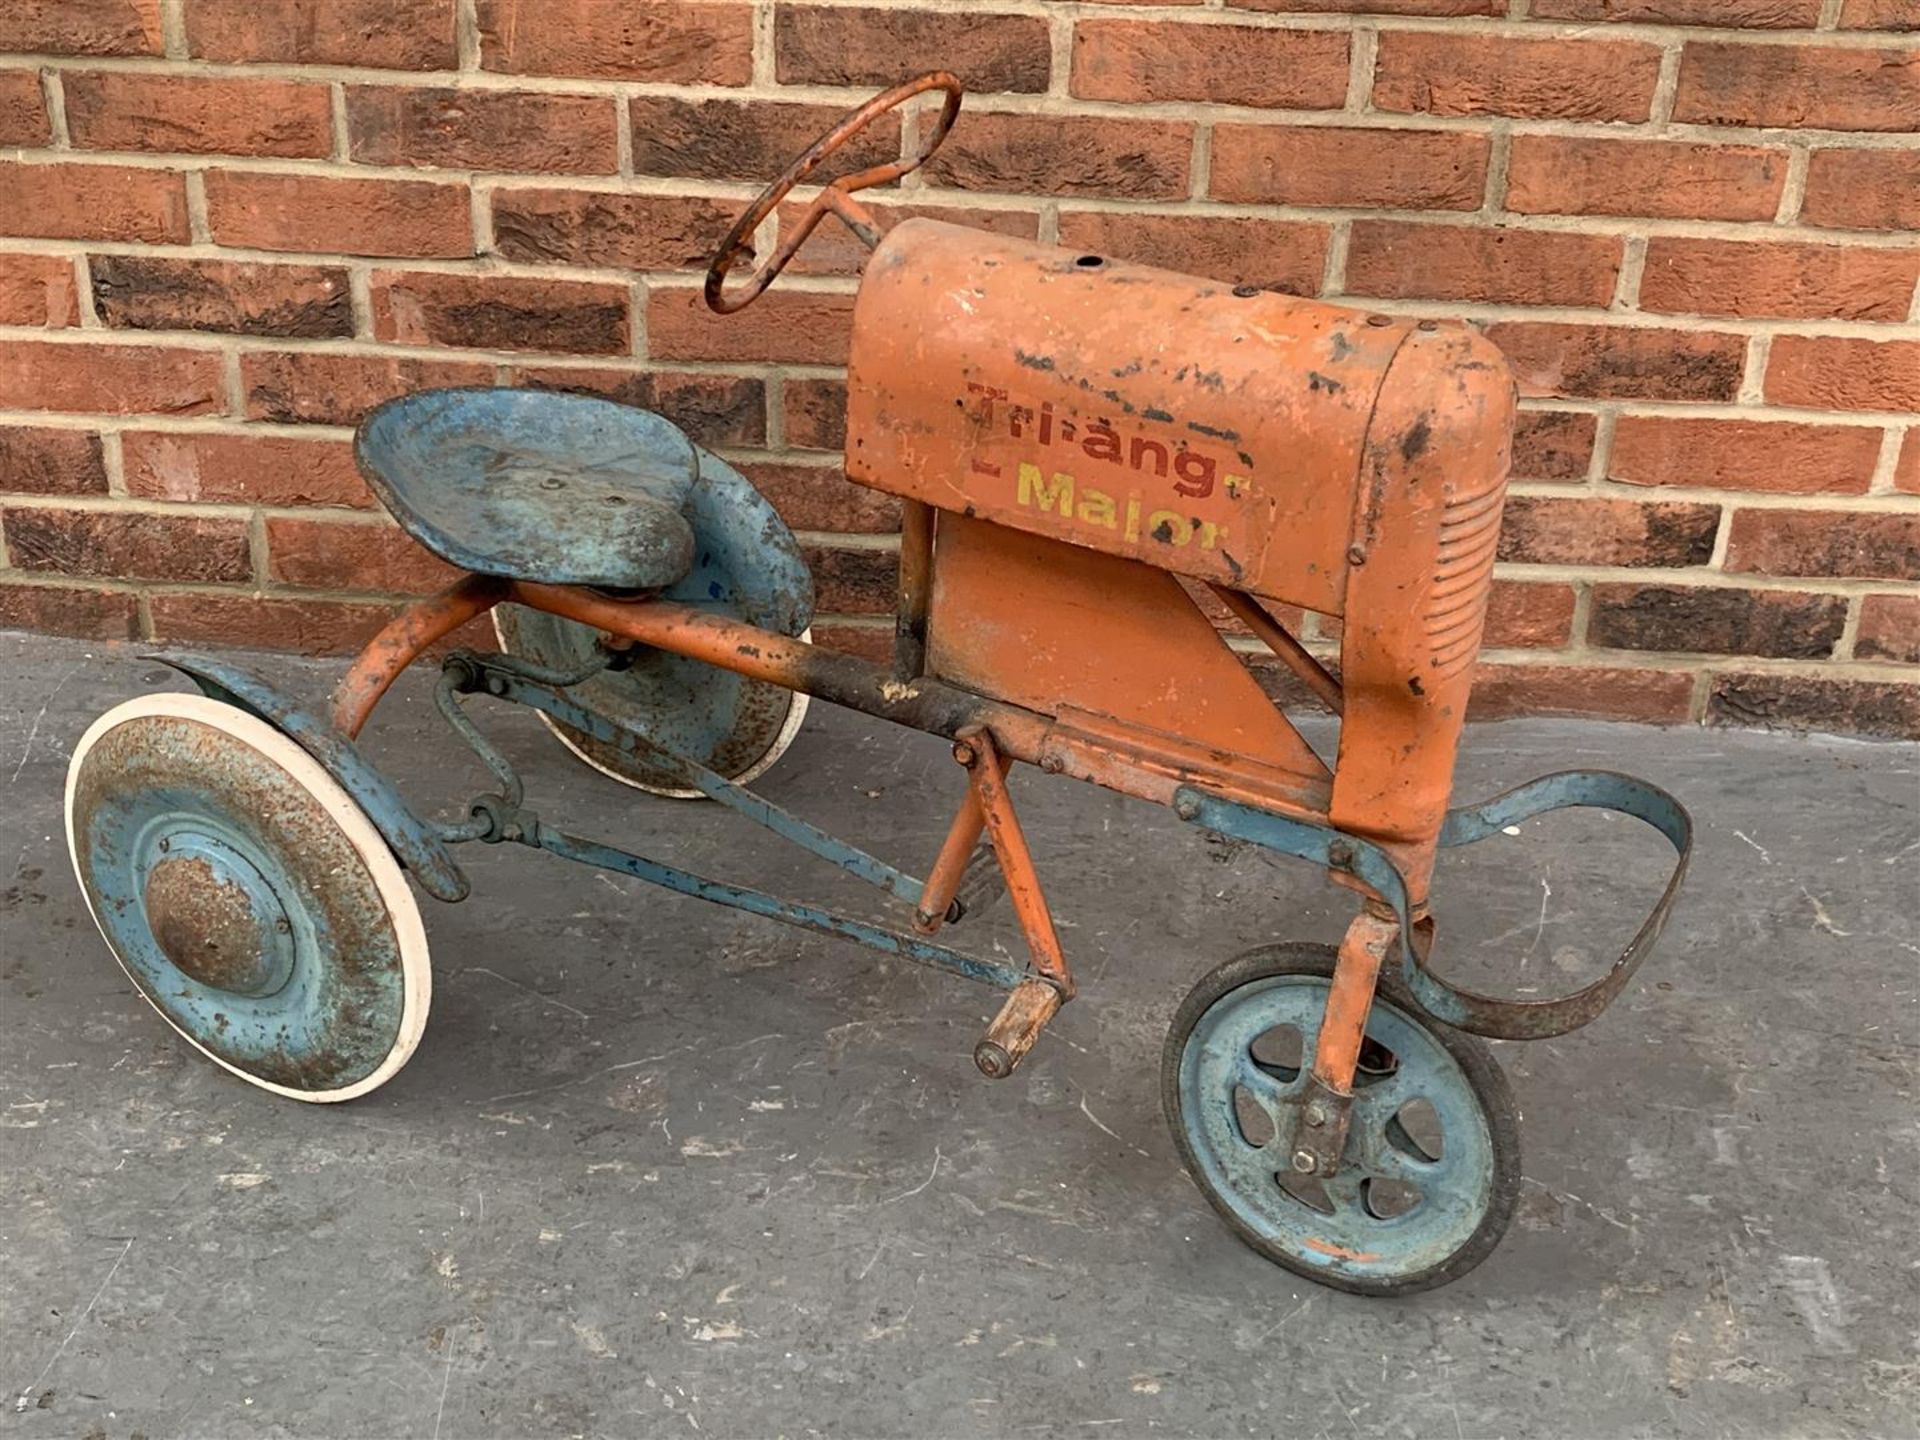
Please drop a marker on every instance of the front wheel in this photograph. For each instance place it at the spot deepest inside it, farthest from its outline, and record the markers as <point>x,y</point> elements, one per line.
<point>1431,1170</point>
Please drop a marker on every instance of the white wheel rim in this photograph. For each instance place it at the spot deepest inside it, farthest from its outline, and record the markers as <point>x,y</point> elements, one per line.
<point>403,912</point>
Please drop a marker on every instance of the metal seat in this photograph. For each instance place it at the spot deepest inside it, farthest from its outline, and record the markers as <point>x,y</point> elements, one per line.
<point>532,485</point>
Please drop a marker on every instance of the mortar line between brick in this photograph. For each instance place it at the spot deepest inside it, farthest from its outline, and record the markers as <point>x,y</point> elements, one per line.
<point>773,397</point>
<point>1362,59</point>
<point>1605,423</point>
<point>1891,440</point>
<point>83,294</point>
<point>360,299</point>
<point>1333,279</point>
<point>1849,629</point>
<point>54,95</point>
<point>1722,536</point>
<point>480,223</point>
<point>1633,265</point>
<point>1059,55</point>
<point>623,137</point>
<point>342,142</point>
<point>842,97</point>
<point>1753,375</point>
<point>1603,489</point>
<point>1793,191</point>
<point>1582,611</point>
<point>1507,27</point>
<point>1666,86</point>
<point>233,385</point>
<point>667,282</point>
<point>113,459</point>
<point>764,59</point>
<point>1001,202</point>
<point>198,228</point>
<point>173,29</point>
<point>1499,156</point>
<point>466,36</point>
<point>1200,164</point>
<point>1699,697</point>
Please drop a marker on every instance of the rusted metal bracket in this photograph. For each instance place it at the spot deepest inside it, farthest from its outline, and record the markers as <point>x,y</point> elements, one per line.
<point>1036,1000</point>
<point>1277,638</point>
<point>1320,1131</point>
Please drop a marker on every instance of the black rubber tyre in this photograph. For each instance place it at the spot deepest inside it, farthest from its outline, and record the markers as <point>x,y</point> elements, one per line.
<point>1482,1073</point>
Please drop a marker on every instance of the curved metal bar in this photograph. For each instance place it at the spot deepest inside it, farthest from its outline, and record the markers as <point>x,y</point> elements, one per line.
<point>402,640</point>
<point>833,197</point>
<point>1492,1016</point>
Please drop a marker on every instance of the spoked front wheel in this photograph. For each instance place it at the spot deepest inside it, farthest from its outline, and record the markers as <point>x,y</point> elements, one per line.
<point>1431,1169</point>
<point>247,897</point>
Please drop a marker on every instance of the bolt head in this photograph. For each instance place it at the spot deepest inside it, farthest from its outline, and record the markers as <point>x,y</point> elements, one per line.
<point>965,754</point>
<point>1187,808</point>
<point>1303,1162</point>
<point>1316,1115</point>
<point>1356,554</point>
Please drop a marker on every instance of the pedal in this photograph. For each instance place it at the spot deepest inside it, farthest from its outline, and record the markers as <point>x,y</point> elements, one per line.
<point>981,883</point>
<point>1030,1005</point>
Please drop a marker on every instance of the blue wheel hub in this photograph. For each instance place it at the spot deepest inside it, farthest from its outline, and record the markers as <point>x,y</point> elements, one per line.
<point>1417,1177</point>
<point>216,917</point>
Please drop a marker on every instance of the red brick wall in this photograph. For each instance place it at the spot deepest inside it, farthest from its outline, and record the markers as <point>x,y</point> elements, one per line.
<point>229,226</point>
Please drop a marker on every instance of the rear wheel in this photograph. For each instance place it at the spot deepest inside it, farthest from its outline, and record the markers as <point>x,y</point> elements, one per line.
<point>747,566</point>
<point>247,897</point>
<point>1431,1170</point>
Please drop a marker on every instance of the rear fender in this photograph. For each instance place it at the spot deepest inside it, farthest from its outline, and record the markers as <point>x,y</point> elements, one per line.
<point>411,839</point>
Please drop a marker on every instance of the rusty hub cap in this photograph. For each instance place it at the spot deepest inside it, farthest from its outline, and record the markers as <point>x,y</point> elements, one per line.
<point>217,919</point>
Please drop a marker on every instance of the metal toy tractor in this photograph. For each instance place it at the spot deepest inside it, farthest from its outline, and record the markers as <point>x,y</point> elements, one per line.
<point>1071,438</point>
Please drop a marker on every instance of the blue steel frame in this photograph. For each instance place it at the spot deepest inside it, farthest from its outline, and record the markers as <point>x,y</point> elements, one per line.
<point>502,818</point>
<point>425,848</point>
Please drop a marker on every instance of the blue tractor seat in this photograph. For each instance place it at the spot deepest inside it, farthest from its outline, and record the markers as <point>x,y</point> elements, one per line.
<point>534,485</point>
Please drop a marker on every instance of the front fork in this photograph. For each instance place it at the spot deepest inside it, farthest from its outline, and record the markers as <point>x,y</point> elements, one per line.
<point>1320,1130</point>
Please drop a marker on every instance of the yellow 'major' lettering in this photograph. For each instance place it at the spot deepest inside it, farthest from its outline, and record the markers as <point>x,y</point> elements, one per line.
<point>1169,527</point>
<point>1097,508</point>
<point>1036,491</point>
<point>1058,494</point>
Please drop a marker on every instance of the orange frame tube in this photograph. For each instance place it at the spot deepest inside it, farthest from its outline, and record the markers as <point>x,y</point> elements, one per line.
<point>401,642</point>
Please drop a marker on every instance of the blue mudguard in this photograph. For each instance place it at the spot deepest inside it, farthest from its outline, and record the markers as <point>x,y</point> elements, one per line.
<point>412,841</point>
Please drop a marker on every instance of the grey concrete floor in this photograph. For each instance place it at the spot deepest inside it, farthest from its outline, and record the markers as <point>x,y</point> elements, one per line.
<point>661,1169</point>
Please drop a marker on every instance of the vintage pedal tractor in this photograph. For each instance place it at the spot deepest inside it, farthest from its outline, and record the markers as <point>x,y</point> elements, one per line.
<point>1078,445</point>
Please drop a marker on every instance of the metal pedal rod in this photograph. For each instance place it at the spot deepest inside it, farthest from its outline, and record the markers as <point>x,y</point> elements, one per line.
<point>981,883</point>
<point>755,902</point>
<point>512,685</point>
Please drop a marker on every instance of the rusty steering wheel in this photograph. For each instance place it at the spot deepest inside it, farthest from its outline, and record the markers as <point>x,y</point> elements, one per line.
<point>834,197</point>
